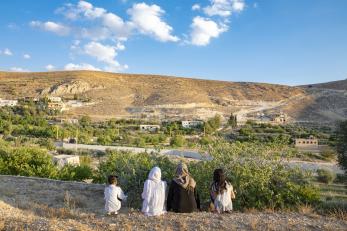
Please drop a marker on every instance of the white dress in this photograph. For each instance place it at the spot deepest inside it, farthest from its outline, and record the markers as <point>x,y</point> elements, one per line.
<point>223,202</point>
<point>112,195</point>
<point>154,194</point>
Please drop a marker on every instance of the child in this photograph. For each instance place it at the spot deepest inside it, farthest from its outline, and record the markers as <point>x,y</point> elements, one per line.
<point>222,192</point>
<point>154,194</point>
<point>113,196</point>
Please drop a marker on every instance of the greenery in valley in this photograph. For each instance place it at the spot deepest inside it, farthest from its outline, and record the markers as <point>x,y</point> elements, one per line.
<point>256,171</point>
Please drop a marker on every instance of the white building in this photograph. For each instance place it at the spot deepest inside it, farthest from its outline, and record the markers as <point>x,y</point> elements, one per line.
<point>74,103</point>
<point>54,99</point>
<point>192,123</point>
<point>149,128</point>
<point>7,102</point>
<point>62,160</point>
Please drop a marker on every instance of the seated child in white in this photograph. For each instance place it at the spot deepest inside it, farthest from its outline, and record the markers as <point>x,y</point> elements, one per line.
<point>154,194</point>
<point>222,192</point>
<point>113,196</point>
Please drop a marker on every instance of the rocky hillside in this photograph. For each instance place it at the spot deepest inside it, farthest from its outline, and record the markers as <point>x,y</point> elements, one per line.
<point>161,97</point>
<point>42,204</point>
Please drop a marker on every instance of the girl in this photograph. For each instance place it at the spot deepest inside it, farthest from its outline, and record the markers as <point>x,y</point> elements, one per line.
<point>222,192</point>
<point>183,196</point>
<point>113,196</point>
<point>154,194</point>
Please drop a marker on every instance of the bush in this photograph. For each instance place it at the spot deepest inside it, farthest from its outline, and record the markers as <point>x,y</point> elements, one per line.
<point>177,141</point>
<point>255,170</point>
<point>26,162</point>
<point>325,176</point>
<point>75,173</point>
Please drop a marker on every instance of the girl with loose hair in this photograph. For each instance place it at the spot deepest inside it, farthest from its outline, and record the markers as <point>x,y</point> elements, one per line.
<point>222,192</point>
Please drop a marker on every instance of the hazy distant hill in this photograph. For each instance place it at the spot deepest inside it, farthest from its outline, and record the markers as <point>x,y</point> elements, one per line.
<point>152,96</point>
<point>334,85</point>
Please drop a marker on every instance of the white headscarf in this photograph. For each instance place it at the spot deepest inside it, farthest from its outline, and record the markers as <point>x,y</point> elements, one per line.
<point>155,174</point>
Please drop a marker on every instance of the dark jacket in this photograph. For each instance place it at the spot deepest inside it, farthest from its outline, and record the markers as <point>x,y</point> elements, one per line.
<point>181,200</point>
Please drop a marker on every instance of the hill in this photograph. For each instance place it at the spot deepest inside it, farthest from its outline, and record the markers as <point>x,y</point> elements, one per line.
<point>28,203</point>
<point>334,85</point>
<point>164,97</point>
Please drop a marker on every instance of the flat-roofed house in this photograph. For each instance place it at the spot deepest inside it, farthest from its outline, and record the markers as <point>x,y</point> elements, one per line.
<point>8,102</point>
<point>311,142</point>
<point>149,128</point>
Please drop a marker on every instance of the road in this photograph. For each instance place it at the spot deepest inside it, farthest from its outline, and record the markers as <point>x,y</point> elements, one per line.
<point>173,152</point>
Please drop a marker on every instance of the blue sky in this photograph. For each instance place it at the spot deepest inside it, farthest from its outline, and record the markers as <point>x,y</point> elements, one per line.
<point>277,41</point>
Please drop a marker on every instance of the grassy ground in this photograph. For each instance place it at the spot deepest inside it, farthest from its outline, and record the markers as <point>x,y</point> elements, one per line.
<point>41,204</point>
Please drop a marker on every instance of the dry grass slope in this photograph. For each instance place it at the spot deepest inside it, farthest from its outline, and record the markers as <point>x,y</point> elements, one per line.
<point>42,204</point>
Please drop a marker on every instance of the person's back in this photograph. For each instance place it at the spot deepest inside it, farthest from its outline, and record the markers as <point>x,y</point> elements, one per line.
<point>113,196</point>
<point>183,196</point>
<point>154,194</point>
<point>182,200</point>
<point>222,192</point>
<point>222,201</point>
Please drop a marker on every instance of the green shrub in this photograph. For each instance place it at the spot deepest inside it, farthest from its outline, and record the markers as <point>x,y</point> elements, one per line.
<point>255,170</point>
<point>325,176</point>
<point>75,173</point>
<point>26,161</point>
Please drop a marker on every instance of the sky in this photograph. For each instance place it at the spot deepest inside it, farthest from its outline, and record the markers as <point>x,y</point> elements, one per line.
<point>289,42</point>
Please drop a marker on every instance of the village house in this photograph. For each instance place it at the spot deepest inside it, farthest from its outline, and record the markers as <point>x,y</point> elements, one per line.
<point>68,121</point>
<point>7,102</point>
<point>280,119</point>
<point>149,128</point>
<point>62,160</point>
<point>191,123</point>
<point>311,142</point>
<point>59,106</point>
<point>55,99</point>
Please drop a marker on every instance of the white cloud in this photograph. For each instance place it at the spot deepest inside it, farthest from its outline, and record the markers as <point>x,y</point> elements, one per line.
<point>7,52</point>
<point>196,7</point>
<point>224,8</point>
<point>106,54</point>
<point>53,27</point>
<point>148,20</point>
<point>82,66</point>
<point>18,69</point>
<point>26,56</point>
<point>204,29</point>
<point>50,67</point>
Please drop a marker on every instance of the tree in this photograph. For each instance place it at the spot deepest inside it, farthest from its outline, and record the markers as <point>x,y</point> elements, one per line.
<point>232,122</point>
<point>177,141</point>
<point>341,145</point>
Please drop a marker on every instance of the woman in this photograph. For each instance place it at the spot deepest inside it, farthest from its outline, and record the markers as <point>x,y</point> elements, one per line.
<point>154,193</point>
<point>183,196</point>
<point>222,192</point>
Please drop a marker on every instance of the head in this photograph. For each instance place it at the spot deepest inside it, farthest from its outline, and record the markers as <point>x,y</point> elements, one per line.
<point>182,170</point>
<point>155,174</point>
<point>112,179</point>
<point>219,176</point>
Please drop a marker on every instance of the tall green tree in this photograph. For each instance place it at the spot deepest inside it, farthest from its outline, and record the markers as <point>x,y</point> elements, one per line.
<point>341,135</point>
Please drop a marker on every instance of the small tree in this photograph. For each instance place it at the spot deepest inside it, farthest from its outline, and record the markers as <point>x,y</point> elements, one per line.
<point>232,122</point>
<point>341,145</point>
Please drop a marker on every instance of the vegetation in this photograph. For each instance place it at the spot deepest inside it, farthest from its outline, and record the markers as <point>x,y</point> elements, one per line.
<point>255,170</point>
<point>341,136</point>
<point>325,176</point>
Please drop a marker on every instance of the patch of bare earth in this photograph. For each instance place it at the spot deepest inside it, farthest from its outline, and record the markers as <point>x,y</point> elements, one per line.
<point>42,204</point>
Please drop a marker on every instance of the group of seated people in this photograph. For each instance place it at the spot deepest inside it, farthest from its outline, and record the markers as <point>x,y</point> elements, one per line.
<point>182,196</point>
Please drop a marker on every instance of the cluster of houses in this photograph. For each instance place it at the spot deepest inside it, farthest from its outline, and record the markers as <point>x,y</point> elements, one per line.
<point>184,123</point>
<point>54,103</point>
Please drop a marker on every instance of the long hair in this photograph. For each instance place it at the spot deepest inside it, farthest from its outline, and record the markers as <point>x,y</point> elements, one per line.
<point>219,181</point>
